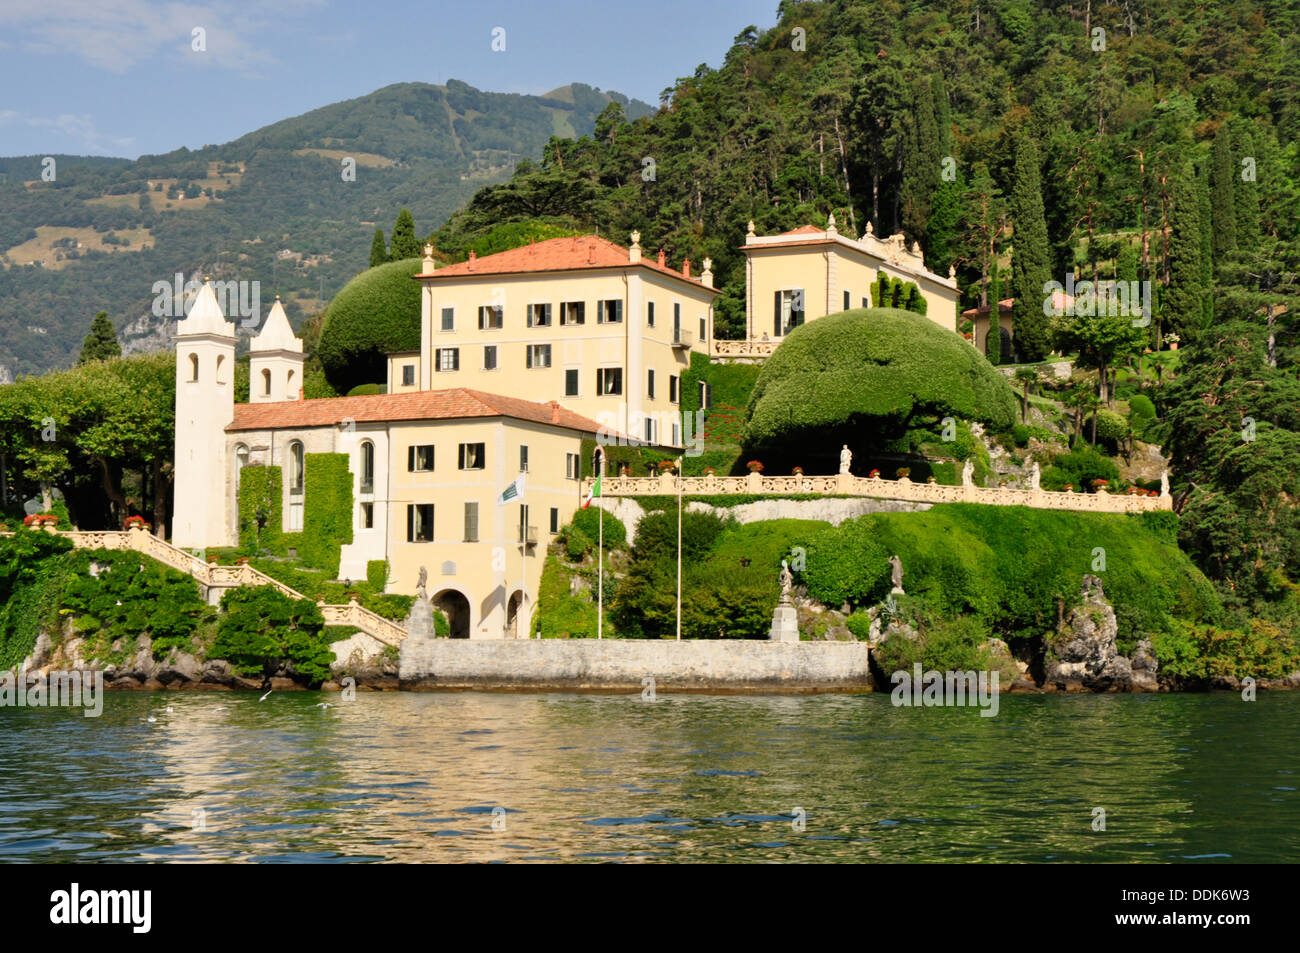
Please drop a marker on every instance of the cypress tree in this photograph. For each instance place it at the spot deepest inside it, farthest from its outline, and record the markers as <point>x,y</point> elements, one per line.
<point>993,337</point>
<point>1183,307</point>
<point>1205,219</point>
<point>378,250</point>
<point>1224,205</point>
<point>1030,255</point>
<point>1246,195</point>
<point>403,244</point>
<point>922,162</point>
<point>101,343</point>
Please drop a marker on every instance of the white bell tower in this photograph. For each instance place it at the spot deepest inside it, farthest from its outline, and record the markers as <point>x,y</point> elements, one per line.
<point>205,406</point>
<point>275,360</point>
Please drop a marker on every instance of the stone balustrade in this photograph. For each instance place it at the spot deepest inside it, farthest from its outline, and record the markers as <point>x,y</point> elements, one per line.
<point>227,577</point>
<point>742,350</point>
<point>846,484</point>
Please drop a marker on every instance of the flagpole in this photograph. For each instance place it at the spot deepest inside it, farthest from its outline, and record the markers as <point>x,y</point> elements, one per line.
<point>679,549</point>
<point>600,553</point>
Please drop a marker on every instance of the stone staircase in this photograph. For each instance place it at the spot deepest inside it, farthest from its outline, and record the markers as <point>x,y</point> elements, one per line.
<point>217,579</point>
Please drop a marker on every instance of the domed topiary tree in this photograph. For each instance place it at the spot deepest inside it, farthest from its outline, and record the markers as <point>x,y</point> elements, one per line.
<point>875,370</point>
<point>376,313</point>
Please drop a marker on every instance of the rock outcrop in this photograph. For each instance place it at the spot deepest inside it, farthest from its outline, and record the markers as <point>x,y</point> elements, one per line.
<point>1083,656</point>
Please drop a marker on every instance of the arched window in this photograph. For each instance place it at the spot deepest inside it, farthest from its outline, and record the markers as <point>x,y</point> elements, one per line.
<point>241,461</point>
<point>266,381</point>
<point>291,392</point>
<point>295,467</point>
<point>221,360</point>
<point>367,466</point>
<point>194,367</point>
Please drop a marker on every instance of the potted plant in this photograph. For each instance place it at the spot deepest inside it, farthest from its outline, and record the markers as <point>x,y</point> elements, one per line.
<point>754,466</point>
<point>873,475</point>
<point>622,469</point>
<point>1173,341</point>
<point>1100,484</point>
<point>134,522</point>
<point>930,479</point>
<point>32,519</point>
<point>1068,488</point>
<point>902,472</point>
<point>709,471</point>
<point>798,471</point>
<point>666,465</point>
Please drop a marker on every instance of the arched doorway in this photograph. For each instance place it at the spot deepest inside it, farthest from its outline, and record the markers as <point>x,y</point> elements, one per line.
<point>456,607</point>
<point>515,618</point>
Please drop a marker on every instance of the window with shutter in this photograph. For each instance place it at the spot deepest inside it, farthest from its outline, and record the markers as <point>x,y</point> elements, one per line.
<point>471,522</point>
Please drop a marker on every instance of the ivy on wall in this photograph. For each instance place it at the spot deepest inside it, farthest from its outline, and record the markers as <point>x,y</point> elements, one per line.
<point>327,510</point>
<point>260,518</point>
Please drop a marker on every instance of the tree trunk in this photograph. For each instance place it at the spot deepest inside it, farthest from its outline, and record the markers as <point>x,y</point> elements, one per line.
<point>159,500</point>
<point>844,166</point>
<point>111,490</point>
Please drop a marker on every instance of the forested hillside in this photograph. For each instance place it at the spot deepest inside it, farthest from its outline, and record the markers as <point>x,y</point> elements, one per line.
<point>273,206</point>
<point>911,116</point>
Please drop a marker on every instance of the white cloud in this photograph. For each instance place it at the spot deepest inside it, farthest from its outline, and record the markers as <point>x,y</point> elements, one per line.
<point>79,133</point>
<point>116,35</point>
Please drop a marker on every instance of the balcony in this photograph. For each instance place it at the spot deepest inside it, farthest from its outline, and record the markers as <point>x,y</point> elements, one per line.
<point>682,338</point>
<point>532,535</point>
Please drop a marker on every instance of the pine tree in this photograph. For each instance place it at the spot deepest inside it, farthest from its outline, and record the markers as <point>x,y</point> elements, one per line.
<point>1221,187</point>
<point>101,343</point>
<point>403,244</point>
<point>378,250</point>
<point>1183,307</point>
<point>1030,255</point>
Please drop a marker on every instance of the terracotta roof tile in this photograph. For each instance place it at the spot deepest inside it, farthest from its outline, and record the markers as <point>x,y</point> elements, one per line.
<point>556,254</point>
<point>451,404</point>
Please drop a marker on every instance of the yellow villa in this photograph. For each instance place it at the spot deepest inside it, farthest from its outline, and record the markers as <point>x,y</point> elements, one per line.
<point>523,355</point>
<point>810,272</point>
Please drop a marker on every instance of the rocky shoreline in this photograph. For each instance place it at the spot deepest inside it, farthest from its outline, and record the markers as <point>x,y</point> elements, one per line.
<point>1080,657</point>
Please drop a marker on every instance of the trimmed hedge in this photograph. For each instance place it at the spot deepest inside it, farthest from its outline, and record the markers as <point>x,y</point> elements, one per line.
<point>874,369</point>
<point>375,313</point>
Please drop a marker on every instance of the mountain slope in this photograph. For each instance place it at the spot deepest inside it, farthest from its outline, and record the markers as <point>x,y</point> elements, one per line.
<point>273,206</point>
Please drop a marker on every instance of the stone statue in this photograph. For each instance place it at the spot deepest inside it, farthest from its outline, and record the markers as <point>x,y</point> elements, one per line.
<point>1035,475</point>
<point>420,587</point>
<point>968,473</point>
<point>787,581</point>
<point>896,573</point>
<point>1164,483</point>
<point>846,457</point>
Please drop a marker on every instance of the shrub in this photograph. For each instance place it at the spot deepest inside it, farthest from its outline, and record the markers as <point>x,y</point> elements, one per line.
<point>588,521</point>
<point>366,390</point>
<point>845,565</point>
<point>577,543</point>
<point>260,518</point>
<point>262,629</point>
<point>1111,427</point>
<point>327,510</point>
<point>377,574</point>
<point>656,535</point>
<point>1020,433</point>
<point>859,623</point>
<point>1085,464</point>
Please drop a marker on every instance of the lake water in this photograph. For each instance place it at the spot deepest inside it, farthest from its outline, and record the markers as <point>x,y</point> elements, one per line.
<point>416,777</point>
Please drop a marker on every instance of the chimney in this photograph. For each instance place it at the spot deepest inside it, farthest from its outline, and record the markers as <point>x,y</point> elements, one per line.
<point>686,267</point>
<point>591,254</point>
<point>532,245</point>
<point>661,258</point>
<point>472,258</point>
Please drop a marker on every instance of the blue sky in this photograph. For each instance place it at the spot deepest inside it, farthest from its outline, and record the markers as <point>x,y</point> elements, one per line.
<point>120,77</point>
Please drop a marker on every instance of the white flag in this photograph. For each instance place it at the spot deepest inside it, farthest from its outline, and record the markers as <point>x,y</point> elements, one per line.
<point>514,492</point>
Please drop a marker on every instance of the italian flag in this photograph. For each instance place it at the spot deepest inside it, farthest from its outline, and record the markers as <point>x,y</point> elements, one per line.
<point>592,493</point>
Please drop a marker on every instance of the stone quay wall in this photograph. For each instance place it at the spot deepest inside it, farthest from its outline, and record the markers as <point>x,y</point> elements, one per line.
<point>625,665</point>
